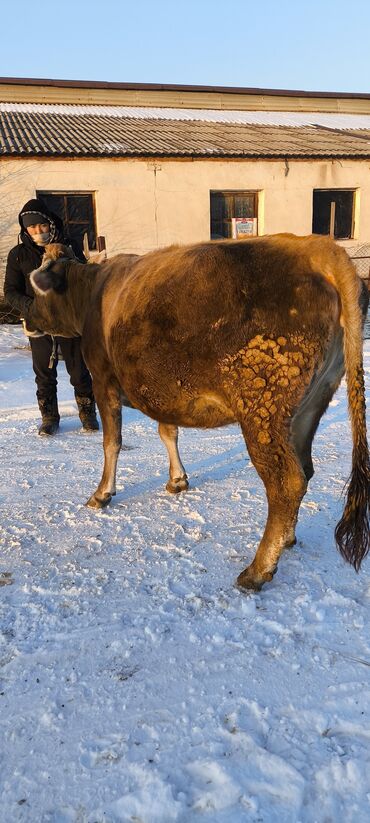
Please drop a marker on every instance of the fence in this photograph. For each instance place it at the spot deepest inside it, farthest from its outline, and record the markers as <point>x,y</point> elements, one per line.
<point>362,265</point>
<point>361,259</point>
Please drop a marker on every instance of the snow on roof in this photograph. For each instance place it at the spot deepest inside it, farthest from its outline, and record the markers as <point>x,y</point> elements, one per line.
<point>261,118</point>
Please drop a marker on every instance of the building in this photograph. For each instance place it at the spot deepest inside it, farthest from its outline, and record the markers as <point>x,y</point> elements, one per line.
<point>150,165</point>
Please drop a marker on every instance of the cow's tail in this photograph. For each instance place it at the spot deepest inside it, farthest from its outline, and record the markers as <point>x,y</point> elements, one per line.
<point>352,533</point>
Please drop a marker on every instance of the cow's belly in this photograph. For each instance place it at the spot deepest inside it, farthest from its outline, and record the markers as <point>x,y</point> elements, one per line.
<point>207,410</point>
<point>167,386</point>
<point>203,410</point>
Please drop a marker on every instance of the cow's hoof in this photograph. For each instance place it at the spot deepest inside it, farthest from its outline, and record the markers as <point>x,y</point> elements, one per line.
<point>96,502</point>
<point>291,543</point>
<point>180,484</point>
<point>252,581</point>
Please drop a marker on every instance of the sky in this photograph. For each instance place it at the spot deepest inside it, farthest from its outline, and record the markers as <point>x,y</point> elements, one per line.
<point>322,45</point>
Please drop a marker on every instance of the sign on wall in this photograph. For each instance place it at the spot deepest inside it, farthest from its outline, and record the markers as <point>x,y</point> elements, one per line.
<point>242,226</point>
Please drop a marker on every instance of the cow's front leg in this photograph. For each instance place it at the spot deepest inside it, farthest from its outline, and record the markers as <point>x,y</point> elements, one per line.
<point>285,484</point>
<point>108,398</point>
<point>178,481</point>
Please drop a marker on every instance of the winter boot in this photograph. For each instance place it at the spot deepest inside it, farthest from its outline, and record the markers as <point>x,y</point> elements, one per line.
<point>50,415</point>
<point>87,413</point>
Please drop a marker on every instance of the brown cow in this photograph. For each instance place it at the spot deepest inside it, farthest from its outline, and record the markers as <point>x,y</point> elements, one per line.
<point>257,332</point>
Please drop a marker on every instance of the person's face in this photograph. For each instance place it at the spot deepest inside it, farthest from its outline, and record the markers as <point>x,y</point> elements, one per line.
<point>40,233</point>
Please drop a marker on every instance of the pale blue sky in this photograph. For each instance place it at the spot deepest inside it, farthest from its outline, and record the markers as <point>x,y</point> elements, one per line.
<point>321,45</point>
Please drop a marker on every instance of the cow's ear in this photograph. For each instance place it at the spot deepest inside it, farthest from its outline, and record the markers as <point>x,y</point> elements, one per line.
<point>41,282</point>
<point>49,277</point>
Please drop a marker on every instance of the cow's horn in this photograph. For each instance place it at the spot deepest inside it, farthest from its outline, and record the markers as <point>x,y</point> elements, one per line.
<point>86,246</point>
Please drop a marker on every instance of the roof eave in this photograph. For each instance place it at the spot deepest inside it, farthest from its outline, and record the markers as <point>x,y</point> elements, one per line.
<point>184,155</point>
<point>102,84</point>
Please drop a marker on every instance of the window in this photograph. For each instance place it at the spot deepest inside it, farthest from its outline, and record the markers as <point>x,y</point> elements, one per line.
<point>76,209</point>
<point>333,212</point>
<point>227,205</point>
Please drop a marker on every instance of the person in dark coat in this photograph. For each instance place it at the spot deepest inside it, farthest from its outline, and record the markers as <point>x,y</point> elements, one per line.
<point>38,227</point>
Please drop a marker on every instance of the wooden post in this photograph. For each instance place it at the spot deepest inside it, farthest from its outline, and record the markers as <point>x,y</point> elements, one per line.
<point>86,246</point>
<point>332,219</point>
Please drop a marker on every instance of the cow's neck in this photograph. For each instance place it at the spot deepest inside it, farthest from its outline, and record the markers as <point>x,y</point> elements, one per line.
<point>81,281</point>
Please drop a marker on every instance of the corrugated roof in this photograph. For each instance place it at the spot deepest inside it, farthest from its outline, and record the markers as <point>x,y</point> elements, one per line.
<point>82,131</point>
<point>260,118</point>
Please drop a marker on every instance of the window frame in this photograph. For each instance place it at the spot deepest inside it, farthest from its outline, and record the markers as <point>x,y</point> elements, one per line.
<point>73,193</point>
<point>255,193</point>
<point>354,191</point>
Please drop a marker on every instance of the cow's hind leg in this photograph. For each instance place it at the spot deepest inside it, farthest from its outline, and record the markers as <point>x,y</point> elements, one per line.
<point>178,481</point>
<point>285,483</point>
<point>109,401</point>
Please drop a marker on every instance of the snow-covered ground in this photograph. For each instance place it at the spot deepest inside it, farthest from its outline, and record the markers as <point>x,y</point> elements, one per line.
<point>136,682</point>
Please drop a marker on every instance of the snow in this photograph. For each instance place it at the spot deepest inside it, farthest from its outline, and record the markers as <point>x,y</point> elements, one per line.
<point>136,682</point>
<point>334,120</point>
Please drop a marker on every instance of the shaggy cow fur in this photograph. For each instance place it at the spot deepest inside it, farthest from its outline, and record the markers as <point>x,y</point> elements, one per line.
<point>258,332</point>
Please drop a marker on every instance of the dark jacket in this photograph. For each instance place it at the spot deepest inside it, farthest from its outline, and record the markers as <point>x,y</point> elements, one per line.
<point>27,256</point>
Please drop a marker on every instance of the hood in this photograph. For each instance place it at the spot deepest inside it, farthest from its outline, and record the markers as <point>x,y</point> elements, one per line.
<point>56,225</point>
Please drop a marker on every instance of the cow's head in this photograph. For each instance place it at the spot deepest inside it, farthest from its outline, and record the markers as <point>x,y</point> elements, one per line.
<point>51,275</point>
<point>62,288</point>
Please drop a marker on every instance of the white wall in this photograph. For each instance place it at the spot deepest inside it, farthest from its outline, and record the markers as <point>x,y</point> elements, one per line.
<point>142,204</point>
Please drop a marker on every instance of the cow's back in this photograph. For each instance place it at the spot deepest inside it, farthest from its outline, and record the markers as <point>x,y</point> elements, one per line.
<point>216,290</point>
<point>173,316</point>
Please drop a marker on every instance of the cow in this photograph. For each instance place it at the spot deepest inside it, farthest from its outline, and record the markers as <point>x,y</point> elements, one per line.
<point>257,332</point>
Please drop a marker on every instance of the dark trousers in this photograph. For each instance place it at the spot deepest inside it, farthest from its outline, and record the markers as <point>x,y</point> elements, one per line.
<point>46,378</point>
